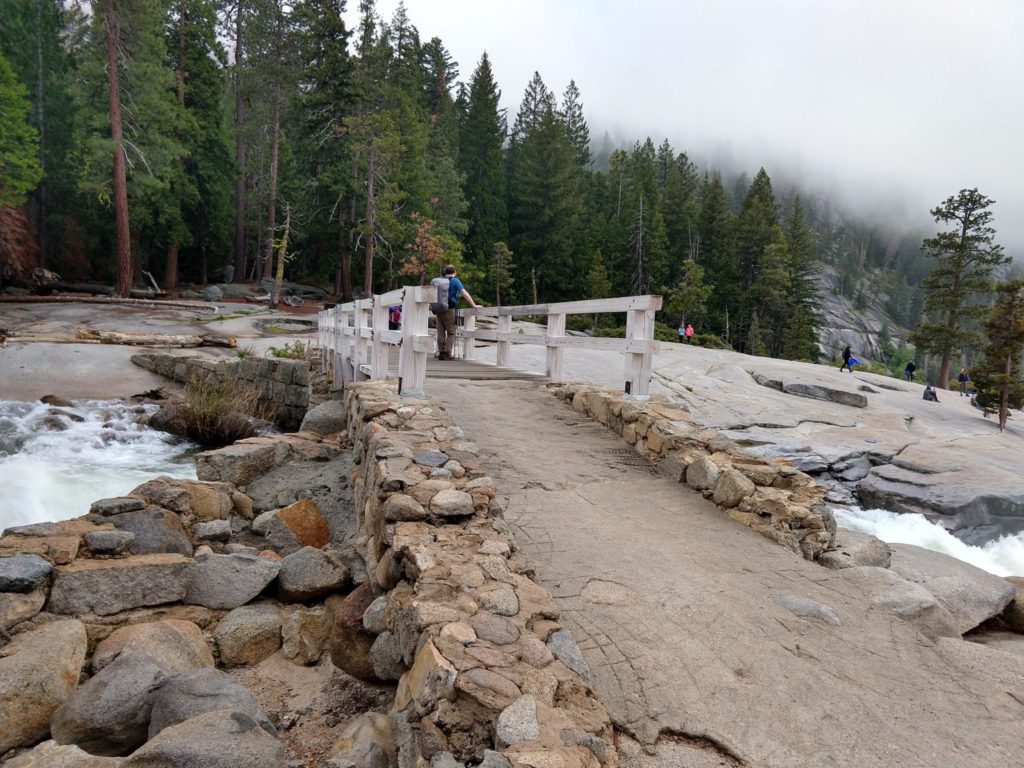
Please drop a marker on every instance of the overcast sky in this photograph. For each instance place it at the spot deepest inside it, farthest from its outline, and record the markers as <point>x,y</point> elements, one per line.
<point>892,103</point>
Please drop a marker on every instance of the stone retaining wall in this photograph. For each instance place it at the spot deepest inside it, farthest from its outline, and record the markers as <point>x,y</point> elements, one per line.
<point>485,665</point>
<point>768,495</point>
<point>282,385</point>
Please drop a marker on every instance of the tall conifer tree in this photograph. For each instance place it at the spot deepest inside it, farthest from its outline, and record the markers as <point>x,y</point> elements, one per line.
<point>967,256</point>
<point>480,159</point>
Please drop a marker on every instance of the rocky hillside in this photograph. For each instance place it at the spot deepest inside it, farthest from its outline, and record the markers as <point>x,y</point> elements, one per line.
<point>843,324</point>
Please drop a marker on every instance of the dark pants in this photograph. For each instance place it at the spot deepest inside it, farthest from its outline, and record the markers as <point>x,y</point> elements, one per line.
<point>445,334</point>
<point>846,364</point>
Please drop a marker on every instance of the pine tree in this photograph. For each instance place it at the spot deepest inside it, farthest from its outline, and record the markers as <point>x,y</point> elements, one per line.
<point>718,257</point>
<point>444,201</point>
<point>123,61</point>
<point>770,294</point>
<point>480,159</point>
<point>598,284</point>
<point>680,210</point>
<point>801,333</point>
<point>20,171</point>
<point>544,201</point>
<point>327,97</point>
<point>687,301</point>
<point>637,238</point>
<point>755,226</point>
<point>204,175</point>
<point>500,273</point>
<point>576,124</point>
<point>756,344</point>
<point>967,257</point>
<point>32,36</point>
<point>999,376</point>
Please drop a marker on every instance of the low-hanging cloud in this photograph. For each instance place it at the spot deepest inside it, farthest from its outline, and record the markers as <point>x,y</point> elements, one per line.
<point>890,105</point>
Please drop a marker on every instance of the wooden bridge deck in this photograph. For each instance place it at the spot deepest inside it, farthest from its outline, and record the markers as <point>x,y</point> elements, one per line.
<point>473,370</point>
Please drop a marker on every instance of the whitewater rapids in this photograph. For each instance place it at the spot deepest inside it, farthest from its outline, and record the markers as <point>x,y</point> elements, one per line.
<point>53,465</point>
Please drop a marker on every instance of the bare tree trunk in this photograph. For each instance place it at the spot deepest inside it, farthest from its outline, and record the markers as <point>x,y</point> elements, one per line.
<point>343,278</point>
<point>1004,400</point>
<point>943,382</point>
<point>275,136</point>
<point>171,268</point>
<point>371,223</point>
<point>282,254</point>
<point>40,196</point>
<point>171,271</point>
<point>124,252</point>
<point>239,153</point>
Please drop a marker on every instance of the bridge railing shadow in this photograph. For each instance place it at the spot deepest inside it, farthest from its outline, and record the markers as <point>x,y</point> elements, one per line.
<point>357,340</point>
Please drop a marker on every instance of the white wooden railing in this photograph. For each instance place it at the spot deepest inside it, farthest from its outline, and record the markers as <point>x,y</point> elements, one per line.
<point>355,338</point>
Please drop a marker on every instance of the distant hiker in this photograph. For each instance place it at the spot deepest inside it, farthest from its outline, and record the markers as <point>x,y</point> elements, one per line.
<point>963,378</point>
<point>847,354</point>
<point>449,289</point>
<point>908,372</point>
<point>929,394</point>
<point>682,332</point>
<point>689,333</point>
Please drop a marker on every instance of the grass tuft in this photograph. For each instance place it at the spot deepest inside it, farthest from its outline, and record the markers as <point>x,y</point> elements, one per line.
<point>213,413</point>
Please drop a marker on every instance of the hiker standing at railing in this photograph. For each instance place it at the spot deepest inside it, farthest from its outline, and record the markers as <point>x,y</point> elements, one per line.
<point>446,317</point>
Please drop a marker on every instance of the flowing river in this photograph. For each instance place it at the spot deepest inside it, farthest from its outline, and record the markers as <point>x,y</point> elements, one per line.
<point>1003,556</point>
<point>54,462</point>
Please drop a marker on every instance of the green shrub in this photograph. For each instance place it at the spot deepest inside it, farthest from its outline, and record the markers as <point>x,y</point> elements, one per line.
<point>246,351</point>
<point>579,323</point>
<point>297,350</point>
<point>710,340</point>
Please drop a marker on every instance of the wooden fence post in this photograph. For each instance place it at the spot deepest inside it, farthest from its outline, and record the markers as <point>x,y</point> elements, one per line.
<point>378,350</point>
<point>359,347</point>
<point>336,351</point>
<point>468,344</point>
<point>504,326</point>
<point>416,340</point>
<point>556,330</point>
<point>639,326</point>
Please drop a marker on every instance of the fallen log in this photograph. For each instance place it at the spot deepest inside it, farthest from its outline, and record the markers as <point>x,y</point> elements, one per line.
<point>149,303</point>
<point>155,339</point>
<point>32,339</point>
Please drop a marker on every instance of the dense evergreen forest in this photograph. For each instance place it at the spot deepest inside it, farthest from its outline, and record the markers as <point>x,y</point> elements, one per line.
<point>180,136</point>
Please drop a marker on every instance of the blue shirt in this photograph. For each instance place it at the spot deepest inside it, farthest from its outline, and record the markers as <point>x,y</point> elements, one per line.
<point>455,287</point>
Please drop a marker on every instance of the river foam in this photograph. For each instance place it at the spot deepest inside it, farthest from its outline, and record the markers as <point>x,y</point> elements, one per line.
<point>54,462</point>
<point>1003,556</point>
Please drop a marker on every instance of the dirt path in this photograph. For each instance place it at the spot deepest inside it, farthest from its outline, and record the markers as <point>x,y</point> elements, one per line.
<point>674,606</point>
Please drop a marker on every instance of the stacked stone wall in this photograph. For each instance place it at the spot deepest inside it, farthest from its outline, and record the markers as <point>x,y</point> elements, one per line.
<point>487,673</point>
<point>776,500</point>
<point>282,386</point>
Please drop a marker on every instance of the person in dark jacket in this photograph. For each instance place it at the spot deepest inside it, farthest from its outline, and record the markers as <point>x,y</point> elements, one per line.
<point>847,354</point>
<point>963,378</point>
<point>908,372</point>
<point>929,394</point>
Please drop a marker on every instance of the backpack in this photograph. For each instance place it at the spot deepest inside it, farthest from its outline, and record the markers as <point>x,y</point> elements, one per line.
<point>441,305</point>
